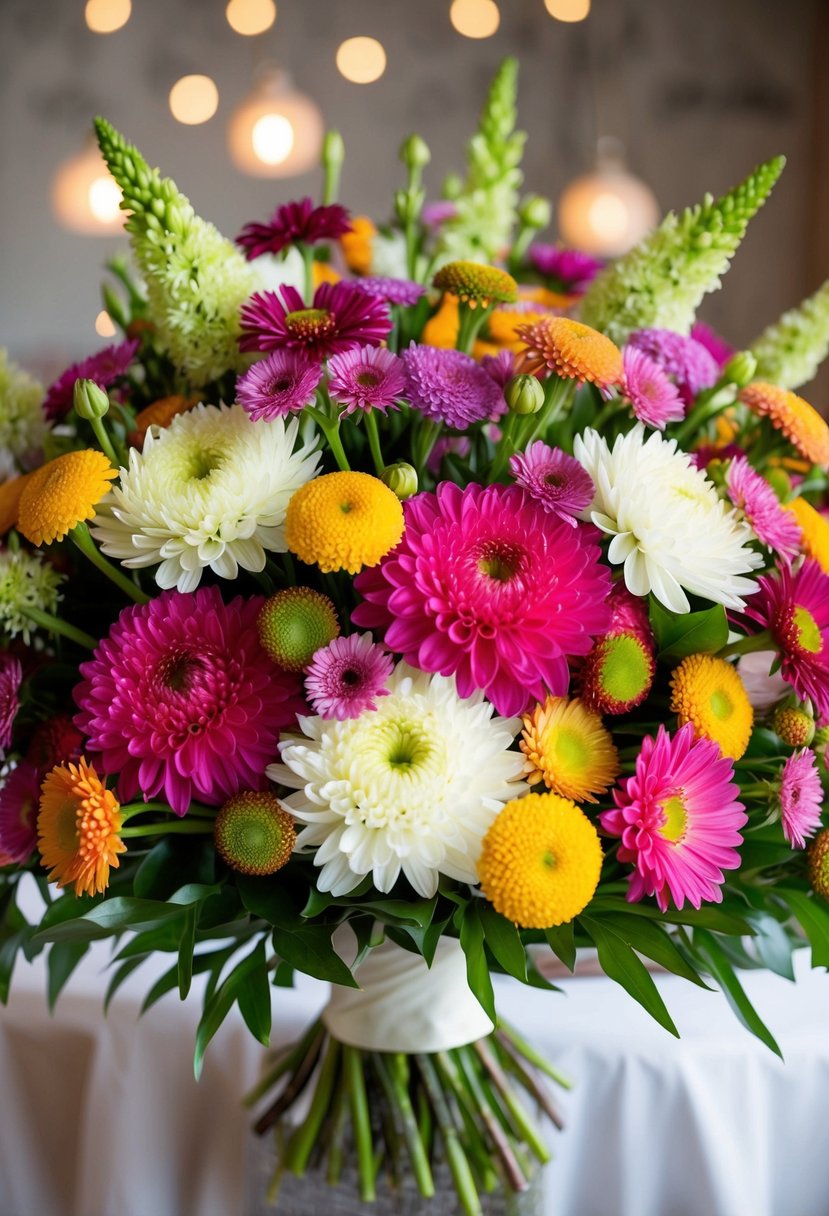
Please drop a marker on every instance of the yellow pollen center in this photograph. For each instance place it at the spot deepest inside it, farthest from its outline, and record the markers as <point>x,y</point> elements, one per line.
<point>676,819</point>
<point>808,634</point>
<point>572,750</point>
<point>721,705</point>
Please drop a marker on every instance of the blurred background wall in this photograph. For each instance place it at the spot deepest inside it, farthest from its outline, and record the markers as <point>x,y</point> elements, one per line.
<point>699,92</point>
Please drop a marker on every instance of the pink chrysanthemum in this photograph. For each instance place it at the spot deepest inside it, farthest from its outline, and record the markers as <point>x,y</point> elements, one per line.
<point>753,495</point>
<point>19,800</point>
<point>181,700</point>
<point>105,368</point>
<point>294,222</point>
<point>687,361</point>
<point>678,819</point>
<point>447,445</point>
<point>487,586</point>
<point>436,213</point>
<point>653,398</point>
<point>340,318</point>
<point>368,378</point>
<point>717,347</point>
<point>346,676</point>
<point>568,270</point>
<point>449,386</point>
<point>555,480</point>
<point>500,367</point>
<point>282,383</point>
<point>794,607</point>
<point>11,677</point>
<point>801,797</point>
<point>401,292</point>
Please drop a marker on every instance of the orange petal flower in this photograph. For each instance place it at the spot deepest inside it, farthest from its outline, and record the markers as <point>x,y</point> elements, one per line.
<point>570,350</point>
<point>78,828</point>
<point>792,416</point>
<point>10,492</point>
<point>63,493</point>
<point>814,529</point>
<point>159,413</point>
<point>357,244</point>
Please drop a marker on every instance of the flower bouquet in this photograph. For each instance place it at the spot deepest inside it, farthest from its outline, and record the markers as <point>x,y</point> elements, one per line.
<point>402,605</point>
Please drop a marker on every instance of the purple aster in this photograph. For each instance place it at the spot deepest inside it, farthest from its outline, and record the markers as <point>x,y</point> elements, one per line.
<point>688,362</point>
<point>402,292</point>
<point>339,318</point>
<point>500,367</point>
<point>346,675</point>
<point>292,223</point>
<point>19,802</point>
<point>716,346</point>
<point>654,398</point>
<point>282,383</point>
<point>11,677</point>
<point>105,368</point>
<point>801,796</point>
<point>555,480</point>
<point>368,378</point>
<point>449,386</point>
<point>434,215</point>
<point>569,270</point>
<point>771,523</point>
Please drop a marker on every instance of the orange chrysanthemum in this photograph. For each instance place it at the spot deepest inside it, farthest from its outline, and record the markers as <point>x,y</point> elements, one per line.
<point>792,416</point>
<point>357,244</point>
<point>567,747</point>
<point>10,492</point>
<point>323,272</point>
<point>442,329</point>
<point>536,294</point>
<point>814,529</point>
<point>78,826</point>
<point>159,413</point>
<point>570,350</point>
<point>63,493</point>
<point>504,323</point>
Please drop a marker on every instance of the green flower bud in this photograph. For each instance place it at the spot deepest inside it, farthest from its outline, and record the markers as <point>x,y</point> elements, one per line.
<point>333,150</point>
<point>535,211</point>
<point>452,186</point>
<point>414,152</point>
<point>401,479</point>
<point>740,368</point>
<point>524,394</point>
<point>89,400</point>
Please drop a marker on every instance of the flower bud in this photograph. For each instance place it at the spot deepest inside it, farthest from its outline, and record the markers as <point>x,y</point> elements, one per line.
<point>524,394</point>
<point>794,725</point>
<point>333,150</point>
<point>740,369</point>
<point>535,211</point>
<point>90,401</point>
<point>401,479</point>
<point>414,152</point>
<point>818,864</point>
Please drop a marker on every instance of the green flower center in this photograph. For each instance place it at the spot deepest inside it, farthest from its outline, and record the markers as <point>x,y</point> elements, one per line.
<point>808,633</point>
<point>625,672</point>
<point>721,705</point>
<point>676,819</point>
<point>500,560</point>
<point>368,379</point>
<point>571,750</point>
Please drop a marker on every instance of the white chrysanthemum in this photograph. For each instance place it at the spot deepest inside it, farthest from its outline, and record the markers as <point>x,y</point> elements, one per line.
<point>411,786</point>
<point>26,581</point>
<point>669,526</point>
<point>23,426</point>
<point>210,490</point>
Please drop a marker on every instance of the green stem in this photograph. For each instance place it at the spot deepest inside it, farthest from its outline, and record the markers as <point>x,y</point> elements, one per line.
<point>706,408</point>
<point>55,625</point>
<point>757,641</point>
<point>81,537</point>
<point>456,1157</point>
<point>286,1063</point>
<point>307,252</point>
<point>524,1125</point>
<point>103,439</point>
<point>531,1055</point>
<point>336,1134</point>
<point>331,430</point>
<point>471,320</point>
<point>194,809</point>
<point>304,1138</point>
<point>389,1072</point>
<point>353,1066</point>
<point>513,1171</point>
<point>374,442</point>
<point>182,827</point>
<point>424,440</point>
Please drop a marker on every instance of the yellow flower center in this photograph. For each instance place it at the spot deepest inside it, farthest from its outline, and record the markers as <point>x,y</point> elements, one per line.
<point>676,819</point>
<point>808,633</point>
<point>310,323</point>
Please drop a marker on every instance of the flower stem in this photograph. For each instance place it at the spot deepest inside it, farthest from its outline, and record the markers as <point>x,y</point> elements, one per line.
<point>193,810</point>
<point>55,625</point>
<point>522,1121</point>
<point>304,1138</point>
<point>757,641</point>
<point>307,252</point>
<point>374,442</point>
<point>353,1065</point>
<point>424,440</point>
<point>471,320</point>
<point>81,537</point>
<point>106,444</point>
<point>531,1055</point>
<point>391,1071</point>
<point>458,1163</point>
<point>703,412</point>
<point>182,827</point>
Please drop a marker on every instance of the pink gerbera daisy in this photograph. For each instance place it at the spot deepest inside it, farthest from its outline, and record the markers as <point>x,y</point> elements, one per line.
<point>567,270</point>
<point>340,318</point>
<point>449,386</point>
<point>11,676</point>
<point>291,223</point>
<point>555,480</point>
<point>753,495</point>
<point>19,801</point>
<point>368,378</point>
<point>489,587</point>
<point>653,398</point>
<point>346,676</point>
<point>106,368</point>
<point>282,383</point>
<point>801,797</point>
<point>687,361</point>
<point>181,700</point>
<point>678,819</point>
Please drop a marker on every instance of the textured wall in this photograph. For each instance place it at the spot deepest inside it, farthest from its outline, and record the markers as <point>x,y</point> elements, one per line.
<point>700,92</point>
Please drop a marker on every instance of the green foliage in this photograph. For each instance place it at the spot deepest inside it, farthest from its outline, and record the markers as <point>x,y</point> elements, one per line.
<point>716,961</point>
<point>691,633</point>
<point>619,961</point>
<point>790,351</point>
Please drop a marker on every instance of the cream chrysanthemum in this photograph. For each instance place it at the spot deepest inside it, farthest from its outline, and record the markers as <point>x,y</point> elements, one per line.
<point>210,490</point>
<point>25,582</point>
<point>668,525</point>
<point>23,424</point>
<point>411,786</point>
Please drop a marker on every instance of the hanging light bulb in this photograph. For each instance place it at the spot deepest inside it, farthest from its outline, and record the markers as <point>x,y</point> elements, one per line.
<point>250,17</point>
<point>475,18</point>
<point>194,100</point>
<point>608,211</point>
<point>568,10</point>
<point>85,197</point>
<point>275,131</point>
<point>107,16</point>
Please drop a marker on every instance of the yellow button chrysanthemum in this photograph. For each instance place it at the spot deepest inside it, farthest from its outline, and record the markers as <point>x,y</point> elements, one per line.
<point>63,493</point>
<point>814,529</point>
<point>343,521</point>
<point>540,861</point>
<point>569,749</point>
<point>476,283</point>
<point>78,828</point>
<point>709,693</point>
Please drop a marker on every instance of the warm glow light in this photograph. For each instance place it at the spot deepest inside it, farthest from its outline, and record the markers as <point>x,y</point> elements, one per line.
<point>272,138</point>
<point>104,197</point>
<point>194,99</point>
<point>568,10</point>
<point>84,196</point>
<point>250,17</point>
<point>103,324</point>
<point>361,60</point>
<point>607,212</point>
<point>475,18</point>
<point>608,217</point>
<point>276,131</point>
<point>106,16</point>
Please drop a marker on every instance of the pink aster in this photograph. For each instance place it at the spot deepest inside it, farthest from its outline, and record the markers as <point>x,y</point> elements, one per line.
<point>106,368</point>
<point>282,383</point>
<point>292,223</point>
<point>11,677</point>
<point>368,378</point>
<point>438,212</point>
<point>500,367</point>
<point>801,797</point>
<point>678,819</point>
<point>720,350</point>
<point>340,318</point>
<point>568,270</point>
<point>449,386</point>
<point>181,700</point>
<point>19,803</point>
<point>488,586</point>
<point>752,494</point>
<point>655,400</point>
<point>401,292</point>
<point>555,480</point>
<point>690,365</point>
<point>346,676</point>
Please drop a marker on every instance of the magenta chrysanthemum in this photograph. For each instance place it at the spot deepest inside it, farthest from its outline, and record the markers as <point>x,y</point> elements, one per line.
<point>655,400</point>
<point>801,797</point>
<point>19,801</point>
<point>487,586</point>
<point>568,270</point>
<point>11,676</point>
<point>500,367</point>
<point>555,480</point>
<point>752,494</point>
<point>340,318</point>
<point>105,368</point>
<point>687,361</point>
<point>717,347</point>
<point>346,676</point>
<point>678,819</point>
<point>181,700</point>
<point>368,378</point>
<point>794,607</point>
<point>401,292</point>
<point>282,383</point>
<point>298,221</point>
<point>449,386</point>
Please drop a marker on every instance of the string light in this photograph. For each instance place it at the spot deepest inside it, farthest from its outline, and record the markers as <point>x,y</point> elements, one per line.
<point>568,10</point>
<point>103,325</point>
<point>608,211</point>
<point>107,16</point>
<point>475,18</point>
<point>275,131</point>
<point>361,60</point>
<point>85,198</point>
<point>250,17</point>
<point>194,99</point>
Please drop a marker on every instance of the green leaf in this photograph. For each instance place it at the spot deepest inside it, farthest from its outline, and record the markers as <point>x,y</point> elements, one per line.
<point>813,918</point>
<point>620,963</point>
<point>172,862</point>
<point>712,954</point>
<point>477,970</point>
<point>503,939</point>
<point>267,898</point>
<point>562,941</point>
<point>714,916</point>
<point>652,940</point>
<point>9,946</point>
<point>186,946</point>
<point>308,948</point>
<point>163,939</point>
<point>212,961</point>
<point>109,918</point>
<point>677,636</point>
<point>254,999</point>
<point>62,960</point>
<point>218,1006</point>
<point>773,944</point>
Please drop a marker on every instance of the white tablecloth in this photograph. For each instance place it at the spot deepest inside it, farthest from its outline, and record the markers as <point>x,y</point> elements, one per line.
<point>102,1117</point>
